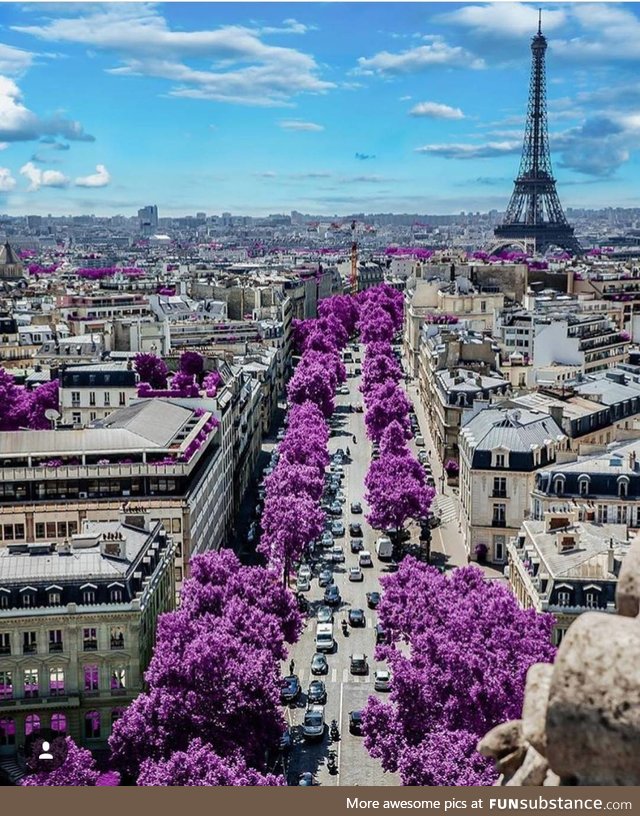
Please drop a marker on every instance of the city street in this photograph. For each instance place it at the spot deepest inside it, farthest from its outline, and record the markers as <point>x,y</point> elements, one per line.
<point>345,692</point>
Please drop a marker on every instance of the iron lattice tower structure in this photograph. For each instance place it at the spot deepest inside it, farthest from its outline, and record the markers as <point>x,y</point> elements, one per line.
<point>534,212</point>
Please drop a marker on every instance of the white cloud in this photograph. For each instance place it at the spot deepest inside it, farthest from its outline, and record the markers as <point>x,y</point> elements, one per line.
<point>467,151</point>
<point>19,124</point>
<point>14,61</point>
<point>298,124</point>
<point>244,69</point>
<point>7,181</point>
<point>43,178</point>
<point>435,53</point>
<point>436,110</point>
<point>504,19</point>
<point>98,179</point>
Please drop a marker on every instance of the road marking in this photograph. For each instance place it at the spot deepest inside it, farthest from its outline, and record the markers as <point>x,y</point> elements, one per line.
<point>345,676</point>
<point>369,623</point>
<point>334,675</point>
<point>341,734</point>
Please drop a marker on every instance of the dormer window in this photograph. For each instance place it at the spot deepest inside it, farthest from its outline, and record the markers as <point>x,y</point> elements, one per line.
<point>55,598</point>
<point>584,483</point>
<point>116,595</point>
<point>88,593</point>
<point>28,596</point>
<point>558,485</point>
<point>623,487</point>
<point>564,598</point>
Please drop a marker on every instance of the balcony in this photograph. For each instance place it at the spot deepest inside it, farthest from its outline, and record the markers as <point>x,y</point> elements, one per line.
<point>55,647</point>
<point>498,522</point>
<point>499,494</point>
<point>117,643</point>
<point>90,646</point>
<point>30,648</point>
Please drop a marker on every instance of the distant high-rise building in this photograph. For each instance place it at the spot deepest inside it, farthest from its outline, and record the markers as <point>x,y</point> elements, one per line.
<point>148,219</point>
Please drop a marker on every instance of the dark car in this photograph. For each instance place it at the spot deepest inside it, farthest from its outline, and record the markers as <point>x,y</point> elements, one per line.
<point>358,664</point>
<point>325,578</point>
<point>317,692</point>
<point>381,635</point>
<point>306,780</point>
<point>356,545</point>
<point>355,529</point>
<point>289,689</point>
<point>356,508</point>
<point>286,741</point>
<point>355,722</point>
<point>373,599</point>
<point>357,618</point>
<point>332,595</point>
<point>319,664</point>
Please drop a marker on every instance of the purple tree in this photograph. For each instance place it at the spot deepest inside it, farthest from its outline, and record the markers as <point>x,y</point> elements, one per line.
<point>45,397</point>
<point>151,369</point>
<point>211,383</point>
<point>315,384</point>
<point>459,649</point>
<point>396,492</point>
<point>344,308</point>
<point>184,384</point>
<point>288,524</point>
<point>375,325</point>
<point>191,363</point>
<point>201,765</point>
<point>379,369</point>
<point>393,441</point>
<point>385,404</point>
<point>78,770</point>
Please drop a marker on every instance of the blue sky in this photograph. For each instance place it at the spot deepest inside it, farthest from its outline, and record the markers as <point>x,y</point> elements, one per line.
<point>326,108</point>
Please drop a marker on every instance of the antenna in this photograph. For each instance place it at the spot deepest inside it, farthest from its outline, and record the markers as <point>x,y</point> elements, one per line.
<point>539,21</point>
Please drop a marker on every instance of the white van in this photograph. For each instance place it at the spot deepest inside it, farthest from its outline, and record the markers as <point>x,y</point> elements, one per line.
<point>420,440</point>
<point>324,637</point>
<point>384,548</point>
<point>364,559</point>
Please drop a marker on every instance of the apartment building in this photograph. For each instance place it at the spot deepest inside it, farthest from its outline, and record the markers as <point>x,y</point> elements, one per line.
<point>93,312</point>
<point>591,341</point>
<point>77,627</point>
<point>89,393</point>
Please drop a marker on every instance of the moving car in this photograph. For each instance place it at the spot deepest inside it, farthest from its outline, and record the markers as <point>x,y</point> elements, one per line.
<point>373,599</point>
<point>325,578</point>
<point>355,722</point>
<point>324,637</point>
<point>356,508</point>
<point>364,559</point>
<point>355,528</point>
<point>325,615</point>
<point>317,692</point>
<point>289,688</point>
<point>313,723</point>
<point>319,665</point>
<point>337,555</point>
<point>357,618</point>
<point>382,680</point>
<point>355,574</point>
<point>332,595</point>
<point>358,664</point>
<point>356,545</point>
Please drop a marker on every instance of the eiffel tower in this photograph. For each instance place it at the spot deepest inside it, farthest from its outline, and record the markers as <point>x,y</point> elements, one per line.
<point>534,214</point>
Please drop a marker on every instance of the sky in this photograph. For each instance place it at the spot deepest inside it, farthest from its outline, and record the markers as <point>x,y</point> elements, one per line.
<point>257,108</point>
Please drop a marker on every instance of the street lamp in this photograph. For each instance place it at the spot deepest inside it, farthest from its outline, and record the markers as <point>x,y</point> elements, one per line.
<point>425,537</point>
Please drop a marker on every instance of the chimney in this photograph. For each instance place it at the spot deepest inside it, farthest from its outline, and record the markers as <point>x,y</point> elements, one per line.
<point>610,557</point>
<point>113,545</point>
<point>134,516</point>
<point>556,412</point>
<point>452,273</point>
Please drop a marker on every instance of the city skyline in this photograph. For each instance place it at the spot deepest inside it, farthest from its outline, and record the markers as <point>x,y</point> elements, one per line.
<point>337,108</point>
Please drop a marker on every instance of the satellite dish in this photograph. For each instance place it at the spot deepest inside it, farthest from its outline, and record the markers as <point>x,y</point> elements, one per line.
<point>52,415</point>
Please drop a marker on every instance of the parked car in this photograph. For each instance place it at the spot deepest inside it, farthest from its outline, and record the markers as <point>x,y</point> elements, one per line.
<point>382,680</point>
<point>358,664</point>
<point>337,529</point>
<point>306,780</point>
<point>344,390</point>
<point>304,570</point>
<point>325,615</point>
<point>317,692</point>
<point>332,595</point>
<point>356,508</point>
<point>280,435</point>
<point>355,528</point>
<point>319,664</point>
<point>357,618</point>
<point>355,574</point>
<point>337,555</point>
<point>286,741</point>
<point>325,578</point>
<point>327,539</point>
<point>303,584</point>
<point>313,724</point>
<point>253,532</point>
<point>289,688</point>
<point>335,509</point>
<point>373,599</point>
<point>355,723</point>
<point>422,457</point>
<point>381,635</point>
<point>356,545</point>
<point>419,440</point>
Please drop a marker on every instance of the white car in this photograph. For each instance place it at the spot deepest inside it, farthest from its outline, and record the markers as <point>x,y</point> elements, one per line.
<point>337,555</point>
<point>303,584</point>
<point>356,574</point>
<point>382,680</point>
<point>304,571</point>
<point>313,723</point>
<point>344,390</point>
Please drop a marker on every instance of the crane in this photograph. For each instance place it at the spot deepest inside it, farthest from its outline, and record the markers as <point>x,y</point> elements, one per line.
<point>354,260</point>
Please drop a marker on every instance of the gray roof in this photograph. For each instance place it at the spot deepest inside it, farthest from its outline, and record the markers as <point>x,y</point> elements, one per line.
<point>616,460</point>
<point>469,382</point>
<point>8,256</point>
<point>154,420</point>
<point>514,429</point>
<point>589,559</point>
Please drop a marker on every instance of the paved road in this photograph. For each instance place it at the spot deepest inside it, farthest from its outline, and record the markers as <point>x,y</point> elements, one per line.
<point>344,691</point>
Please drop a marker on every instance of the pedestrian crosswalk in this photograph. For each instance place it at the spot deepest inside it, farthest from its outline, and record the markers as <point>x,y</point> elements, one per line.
<point>305,677</point>
<point>446,507</point>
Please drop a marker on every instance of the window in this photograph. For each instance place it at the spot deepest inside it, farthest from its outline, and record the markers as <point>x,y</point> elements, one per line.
<point>75,399</point>
<point>6,685</point>
<point>583,485</point>
<point>31,724</point>
<point>591,600</point>
<point>88,596</point>
<point>498,547</point>
<point>55,640</point>
<point>117,637</point>
<point>558,635</point>
<point>499,515</point>
<point>107,399</point>
<point>40,529</point>
<point>89,640</point>
<point>118,680</point>
<point>29,643</point>
<point>123,398</point>
<point>92,725</point>
<point>5,643</point>
<point>91,678</point>
<point>4,600</point>
<point>92,398</point>
<point>564,598</point>
<point>558,485</point>
<point>31,685</point>
<point>28,599</point>
<point>93,415</point>
<point>116,713</point>
<point>116,595</point>
<point>56,681</point>
<point>55,598</point>
<point>500,487</point>
<point>500,460</point>
<point>623,488</point>
<point>59,723</point>
<point>76,418</point>
<point>7,732</point>
<point>483,305</point>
